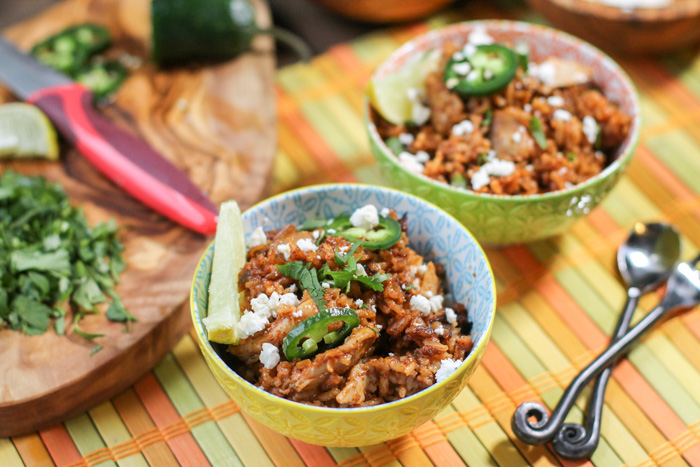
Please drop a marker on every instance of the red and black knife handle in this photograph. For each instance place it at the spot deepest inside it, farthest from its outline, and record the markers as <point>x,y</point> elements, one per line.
<point>125,159</point>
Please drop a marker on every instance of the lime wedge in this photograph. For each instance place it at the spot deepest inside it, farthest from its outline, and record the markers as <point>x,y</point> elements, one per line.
<point>229,258</point>
<point>26,132</point>
<point>389,94</point>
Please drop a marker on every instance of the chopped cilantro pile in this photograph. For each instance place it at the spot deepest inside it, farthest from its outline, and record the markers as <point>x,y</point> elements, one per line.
<point>51,261</point>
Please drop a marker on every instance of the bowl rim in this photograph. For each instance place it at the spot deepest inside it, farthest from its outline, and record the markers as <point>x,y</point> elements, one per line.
<point>593,10</point>
<point>476,350</point>
<point>629,146</point>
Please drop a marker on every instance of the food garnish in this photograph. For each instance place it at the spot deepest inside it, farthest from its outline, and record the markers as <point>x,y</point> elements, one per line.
<point>229,257</point>
<point>51,260</point>
<point>303,341</point>
<point>26,132</point>
<point>489,68</point>
<point>102,77</point>
<point>397,95</point>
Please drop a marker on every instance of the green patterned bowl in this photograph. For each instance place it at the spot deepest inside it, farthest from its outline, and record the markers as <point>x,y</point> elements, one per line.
<point>501,219</point>
<point>432,233</point>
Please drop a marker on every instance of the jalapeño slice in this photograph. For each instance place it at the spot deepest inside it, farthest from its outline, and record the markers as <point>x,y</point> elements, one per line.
<point>68,50</point>
<point>304,339</point>
<point>385,235</point>
<point>488,70</point>
<point>103,78</point>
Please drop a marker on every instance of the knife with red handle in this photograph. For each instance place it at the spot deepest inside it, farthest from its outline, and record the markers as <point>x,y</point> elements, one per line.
<point>122,157</point>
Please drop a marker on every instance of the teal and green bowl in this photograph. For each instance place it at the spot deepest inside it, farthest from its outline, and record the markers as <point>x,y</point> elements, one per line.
<point>503,219</point>
<point>432,233</point>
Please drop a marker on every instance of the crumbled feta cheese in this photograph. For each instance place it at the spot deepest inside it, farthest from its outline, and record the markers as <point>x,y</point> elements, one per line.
<point>359,302</point>
<point>289,298</point>
<point>391,354</point>
<point>562,115</point>
<point>517,137</point>
<point>440,331</point>
<point>249,324</point>
<point>408,161</point>
<point>365,217</point>
<point>458,56</point>
<point>545,72</point>
<point>462,68</point>
<point>257,238</point>
<point>530,167</point>
<point>488,74</point>
<point>378,326</point>
<point>266,307</point>
<point>555,101</point>
<point>306,244</point>
<point>451,82</point>
<point>422,156</point>
<point>285,250</point>
<point>462,128</point>
<point>298,313</point>
<point>480,179</point>
<point>450,315</point>
<point>496,167</point>
<point>420,303</point>
<point>343,249</point>
<point>447,367</point>
<point>420,113</point>
<point>385,212</point>
<point>360,270</point>
<point>473,75</point>
<point>527,108</point>
<point>436,302</point>
<point>315,234</point>
<point>468,50</point>
<point>269,356</point>
<point>406,138</point>
<point>325,285</point>
<point>292,288</point>
<point>331,231</point>
<point>590,129</point>
<point>479,36</point>
<point>427,294</point>
<point>422,268</point>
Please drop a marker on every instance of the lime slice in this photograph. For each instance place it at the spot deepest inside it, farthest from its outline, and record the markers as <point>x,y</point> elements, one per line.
<point>229,258</point>
<point>26,132</point>
<point>389,94</point>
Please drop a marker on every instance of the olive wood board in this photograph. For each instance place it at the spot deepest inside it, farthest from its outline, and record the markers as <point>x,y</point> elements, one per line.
<point>215,122</point>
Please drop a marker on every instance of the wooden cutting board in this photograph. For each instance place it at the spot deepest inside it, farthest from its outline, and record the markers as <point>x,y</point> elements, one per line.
<point>218,124</point>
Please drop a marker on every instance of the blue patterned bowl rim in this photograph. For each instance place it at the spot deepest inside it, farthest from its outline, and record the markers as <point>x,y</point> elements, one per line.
<point>625,152</point>
<point>479,345</point>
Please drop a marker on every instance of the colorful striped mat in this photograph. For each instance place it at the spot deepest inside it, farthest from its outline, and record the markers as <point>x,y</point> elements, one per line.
<point>558,302</point>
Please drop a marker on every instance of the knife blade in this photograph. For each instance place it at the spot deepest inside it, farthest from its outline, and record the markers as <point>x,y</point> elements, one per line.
<point>124,158</point>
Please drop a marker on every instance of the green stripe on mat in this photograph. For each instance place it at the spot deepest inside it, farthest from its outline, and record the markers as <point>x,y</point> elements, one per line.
<point>466,444</point>
<point>669,146</point>
<point>185,401</point>
<point>8,454</point>
<point>234,427</point>
<point>114,432</point>
<point>86,437</point>
<point>490,434</point>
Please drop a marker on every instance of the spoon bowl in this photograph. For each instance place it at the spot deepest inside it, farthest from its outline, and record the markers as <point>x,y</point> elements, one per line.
<point>647,258</point>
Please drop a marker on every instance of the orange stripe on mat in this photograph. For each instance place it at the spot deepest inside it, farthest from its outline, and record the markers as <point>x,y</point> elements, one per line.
<point>137,420</point>
<point>161,410</point>
<point>32,450</point>
<point>441,451</point>
<point>60,445</point>
<point>312,454</point>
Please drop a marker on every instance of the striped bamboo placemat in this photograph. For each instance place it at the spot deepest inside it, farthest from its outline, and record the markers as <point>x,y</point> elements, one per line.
<point>558,302</point>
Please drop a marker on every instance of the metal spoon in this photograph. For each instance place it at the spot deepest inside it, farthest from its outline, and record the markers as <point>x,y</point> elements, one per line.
<point>683,291</point>
<point>645,261</point>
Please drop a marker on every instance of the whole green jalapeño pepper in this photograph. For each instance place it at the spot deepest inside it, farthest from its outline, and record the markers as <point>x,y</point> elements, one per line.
<point>487,70</point>
<point>303,341</point>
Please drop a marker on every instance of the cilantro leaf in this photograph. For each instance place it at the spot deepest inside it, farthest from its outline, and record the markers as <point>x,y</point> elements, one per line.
<point>373,282</point>
<point>538,132</point>
<point>300,271</point>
